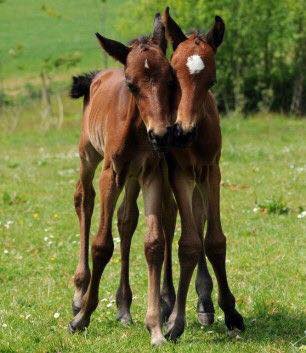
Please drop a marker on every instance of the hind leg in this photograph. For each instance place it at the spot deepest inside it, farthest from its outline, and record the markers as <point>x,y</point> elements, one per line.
<point>169,213</point>
<point>102,247</point>
<point>127,221</point>
<point>84,204</point>
<point>215,248</point>
<point>204,284</point>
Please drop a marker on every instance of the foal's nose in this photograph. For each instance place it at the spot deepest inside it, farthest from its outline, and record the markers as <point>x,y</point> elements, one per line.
<point>159,141</point>
<point>181,138</point>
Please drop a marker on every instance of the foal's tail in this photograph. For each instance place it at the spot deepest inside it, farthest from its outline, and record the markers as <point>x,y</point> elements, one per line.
<point>81,85</point>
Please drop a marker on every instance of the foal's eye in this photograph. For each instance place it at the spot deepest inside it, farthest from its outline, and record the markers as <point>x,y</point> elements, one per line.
<point>132,87</point>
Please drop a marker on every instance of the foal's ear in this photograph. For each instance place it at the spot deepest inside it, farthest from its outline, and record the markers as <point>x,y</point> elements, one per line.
<point>115,49</point>
<point>159,36</point>
<point>173,30</point>
<point>215,36</point>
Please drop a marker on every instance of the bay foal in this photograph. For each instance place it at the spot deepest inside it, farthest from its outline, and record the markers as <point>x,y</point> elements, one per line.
<point>124,110</point>
<point>195,179</point>
<point>195,173</point>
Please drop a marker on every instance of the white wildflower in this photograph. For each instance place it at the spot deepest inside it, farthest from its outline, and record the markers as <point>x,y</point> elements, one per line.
<point>302,215</point>
<point>56,315</point>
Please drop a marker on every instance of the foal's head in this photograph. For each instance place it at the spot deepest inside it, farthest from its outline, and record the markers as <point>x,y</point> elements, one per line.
<point>193,62</point>
<point>147,75</point>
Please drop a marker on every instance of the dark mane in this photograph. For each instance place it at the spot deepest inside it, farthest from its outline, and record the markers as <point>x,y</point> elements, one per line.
<point>197,32</point>
<point>140,40</point>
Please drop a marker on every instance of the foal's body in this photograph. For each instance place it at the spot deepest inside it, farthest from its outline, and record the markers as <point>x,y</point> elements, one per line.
<point>114,128</point>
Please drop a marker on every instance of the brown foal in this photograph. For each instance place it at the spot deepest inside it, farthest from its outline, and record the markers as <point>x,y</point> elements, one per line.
<point>194,175</point>
<point>124,110</point>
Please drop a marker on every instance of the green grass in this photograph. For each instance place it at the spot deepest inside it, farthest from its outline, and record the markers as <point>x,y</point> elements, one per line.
<point>33,30</point>
<point>263,159</point>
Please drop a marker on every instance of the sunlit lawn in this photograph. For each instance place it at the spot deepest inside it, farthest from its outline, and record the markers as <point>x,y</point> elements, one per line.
<point>263,171</point>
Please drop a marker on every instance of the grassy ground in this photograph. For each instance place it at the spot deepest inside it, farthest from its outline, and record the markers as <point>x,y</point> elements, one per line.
<point>34,30</point>
<point>263,169</point>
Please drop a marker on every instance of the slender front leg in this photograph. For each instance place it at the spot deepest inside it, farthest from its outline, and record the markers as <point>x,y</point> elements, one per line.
<point>151,184</point>
<point>169,212</point>
<point>102,248</point>
<point>204,283</point>
<point>127,221</point>
<point>215,248</point>
<point>189,249</point>
<point>84,199</point>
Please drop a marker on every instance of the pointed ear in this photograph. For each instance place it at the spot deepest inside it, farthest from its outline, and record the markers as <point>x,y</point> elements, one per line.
<point>115,49</point>
<point>215,36</point>
<point>159,36</point>
<point>173,30</point>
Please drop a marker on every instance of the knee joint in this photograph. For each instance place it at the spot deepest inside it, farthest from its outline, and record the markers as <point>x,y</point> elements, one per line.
<point>215,245</point>
<point>154,249</point>
<point>102,251</point>
<point>190,250</point>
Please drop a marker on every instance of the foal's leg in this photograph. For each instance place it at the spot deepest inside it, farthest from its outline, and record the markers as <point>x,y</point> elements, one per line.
<point>189,250</point>
<point>84,203</point>
<point>127,221</point>
<point>215,248</point>
<point>169,221</point>
<point>204,284</point>
<point>102,248</point>
<point>151,184</point>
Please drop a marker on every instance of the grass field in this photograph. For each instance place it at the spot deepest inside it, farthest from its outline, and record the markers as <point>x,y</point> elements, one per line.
<point>34,30</point>
<point>263,194</point>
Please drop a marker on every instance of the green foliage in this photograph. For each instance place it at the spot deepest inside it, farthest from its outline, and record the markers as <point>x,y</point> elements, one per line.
<point>274,206</point>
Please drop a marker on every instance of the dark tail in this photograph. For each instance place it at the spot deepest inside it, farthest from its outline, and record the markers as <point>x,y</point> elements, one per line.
<point>81,85</point>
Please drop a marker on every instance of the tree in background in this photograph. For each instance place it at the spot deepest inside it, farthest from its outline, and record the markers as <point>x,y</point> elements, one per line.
<point>261,64</point>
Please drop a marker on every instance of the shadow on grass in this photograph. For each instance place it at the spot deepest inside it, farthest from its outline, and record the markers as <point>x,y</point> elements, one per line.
<point>280,326</point>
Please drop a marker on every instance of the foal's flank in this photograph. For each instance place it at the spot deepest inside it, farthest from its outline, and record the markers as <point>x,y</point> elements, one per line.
<point>125,120</point>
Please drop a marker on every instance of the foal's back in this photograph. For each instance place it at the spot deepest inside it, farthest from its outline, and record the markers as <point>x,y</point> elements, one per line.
<point>109,111</point>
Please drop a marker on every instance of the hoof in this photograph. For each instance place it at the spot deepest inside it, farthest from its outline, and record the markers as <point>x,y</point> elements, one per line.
<point>206,319</point>
<point>79,323</point>
<point>175,330</point>
<point>234,321</point>
<point>125,319</point>
<point>158,341</point>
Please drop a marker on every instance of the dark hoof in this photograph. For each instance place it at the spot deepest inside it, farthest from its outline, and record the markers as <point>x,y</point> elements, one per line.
<point>175,331</point>
<point>234,321</point>
<point>75,309</point>
<point>166,311</point>
<point>125,319</point>
<point>206,319</point>
<point>79,323</point>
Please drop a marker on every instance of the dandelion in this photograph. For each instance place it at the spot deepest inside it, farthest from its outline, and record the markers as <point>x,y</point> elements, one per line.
<point>6,251</point>
<point>255,209</point>
<point>56,315</point>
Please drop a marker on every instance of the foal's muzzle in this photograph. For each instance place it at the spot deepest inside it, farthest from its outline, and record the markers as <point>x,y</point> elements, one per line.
<point>160,142</point>
<point>181,138</point>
